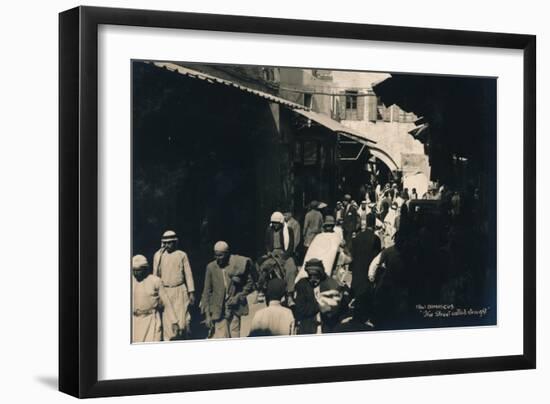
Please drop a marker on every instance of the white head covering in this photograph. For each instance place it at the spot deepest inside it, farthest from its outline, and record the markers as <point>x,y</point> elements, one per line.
<point>169,235</point>
<point>277,217</point>
<point>139,262</point>
<point>221,246</point>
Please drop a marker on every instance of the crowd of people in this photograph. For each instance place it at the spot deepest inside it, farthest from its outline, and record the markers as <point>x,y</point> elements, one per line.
<point>388,256</point>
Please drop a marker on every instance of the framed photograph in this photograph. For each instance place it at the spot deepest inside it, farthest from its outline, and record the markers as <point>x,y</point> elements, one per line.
<point>250,201</point>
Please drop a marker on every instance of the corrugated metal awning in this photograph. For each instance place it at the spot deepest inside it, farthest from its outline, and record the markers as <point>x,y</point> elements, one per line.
<point>216,80</point>
<point>336,126</point>
<point>377,151</point>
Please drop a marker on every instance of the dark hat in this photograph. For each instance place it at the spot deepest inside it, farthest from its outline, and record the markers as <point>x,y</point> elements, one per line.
<point>276,289</point>
<point>329,284</point>
<point>314,265</point>
<point>329,220</point>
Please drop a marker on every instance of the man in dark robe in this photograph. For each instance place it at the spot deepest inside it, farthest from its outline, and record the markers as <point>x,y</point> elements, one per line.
<point>365,247</point>
<point>279,259</point>
<point>306,311</point>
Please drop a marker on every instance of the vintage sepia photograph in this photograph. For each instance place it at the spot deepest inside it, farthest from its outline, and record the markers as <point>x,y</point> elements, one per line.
<point>281,201</point>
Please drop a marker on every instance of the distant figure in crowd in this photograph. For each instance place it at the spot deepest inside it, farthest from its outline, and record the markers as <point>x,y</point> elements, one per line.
<point>338,229</point>
<point>414,194</point>
<point>391,225</point>
<point>296,229</point>
<point>351,223</point>
<point>322,208</point>
<point>455,205</point>
<point>339,211</point>
<point>313,224</point>
<point>399,199</point>
<point>378,192</point>
<point>347,203</point>
<point>365,247</point>
<point>340,270</point>
<point>274,319</point>
<point>148,294</point>
<point>227,284</point>
<point>173,268</point>
<point>385,204</point>
<point>363,211</point>
<point>279,245</point>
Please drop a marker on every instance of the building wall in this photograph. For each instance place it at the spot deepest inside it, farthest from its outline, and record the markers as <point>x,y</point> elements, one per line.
<point>387,125</point>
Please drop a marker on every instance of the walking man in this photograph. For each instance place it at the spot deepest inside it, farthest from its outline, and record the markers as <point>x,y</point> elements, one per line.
<point>227,283</point>
<point>172,267</point>
<point>365,247</point>
<point>313,225</point>
<point>279,245</point>
<point>147,294</point>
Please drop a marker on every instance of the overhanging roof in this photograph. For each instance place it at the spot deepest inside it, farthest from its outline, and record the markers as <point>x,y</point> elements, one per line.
<point>336,126</point>
<point>216,80</point>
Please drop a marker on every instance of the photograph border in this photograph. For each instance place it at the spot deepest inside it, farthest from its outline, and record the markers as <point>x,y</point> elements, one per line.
<point>78,200</point>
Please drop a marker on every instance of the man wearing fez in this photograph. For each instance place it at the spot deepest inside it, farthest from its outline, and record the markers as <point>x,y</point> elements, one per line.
<point>227,283</point>
<point>173,268</point>
<point>147,296</point>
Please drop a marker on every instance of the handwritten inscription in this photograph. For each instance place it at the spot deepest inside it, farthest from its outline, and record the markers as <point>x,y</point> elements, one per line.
<point>449,311</point>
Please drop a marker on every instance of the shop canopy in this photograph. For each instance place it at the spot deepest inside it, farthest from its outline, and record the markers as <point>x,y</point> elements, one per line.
<point>321,119</point>
<point>219,81</point>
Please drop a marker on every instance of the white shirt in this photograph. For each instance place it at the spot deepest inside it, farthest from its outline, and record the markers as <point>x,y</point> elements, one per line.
<point>273,320</point>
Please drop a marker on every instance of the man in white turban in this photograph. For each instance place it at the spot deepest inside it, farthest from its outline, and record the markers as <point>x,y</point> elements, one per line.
<point>172,267</point>
<point>147,294</point>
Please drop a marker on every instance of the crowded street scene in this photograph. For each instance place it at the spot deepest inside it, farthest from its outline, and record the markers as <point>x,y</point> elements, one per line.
<point>284,201</point>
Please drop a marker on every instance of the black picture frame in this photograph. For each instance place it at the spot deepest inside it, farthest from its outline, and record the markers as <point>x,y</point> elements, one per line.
<point>78,200</point>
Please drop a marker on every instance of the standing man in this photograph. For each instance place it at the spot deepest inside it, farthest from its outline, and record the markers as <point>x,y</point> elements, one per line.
<point>363,211</point>
<point>391,225</point>
<point>340,270</point>
<point>279,245</point>
<point>365,247</point>
<point>339,211</point>
<point>173,268</point>
<point>313,225</point>
<point>227,283</point>
<point>296,229</point>
<point>347,203</point>
<point>147,294</point>
<point>351,223</point>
